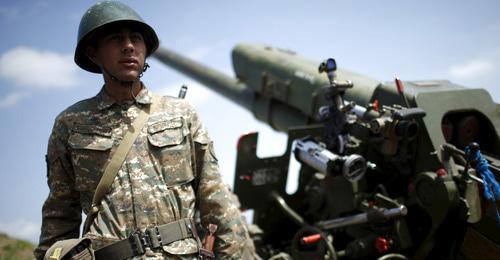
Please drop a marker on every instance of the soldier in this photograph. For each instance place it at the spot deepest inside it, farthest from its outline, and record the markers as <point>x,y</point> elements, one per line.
<point>169,172</point>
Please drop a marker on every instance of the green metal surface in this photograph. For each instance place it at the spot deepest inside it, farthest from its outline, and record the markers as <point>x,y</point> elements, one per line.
<point>286,91</point>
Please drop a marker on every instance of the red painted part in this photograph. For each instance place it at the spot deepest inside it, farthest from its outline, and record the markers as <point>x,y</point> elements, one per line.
<point>243,136</point>
<point>246,177</point>
<point>399,85</point>
<point>441,172</point>
<point>381,245</point>
<point>376,105</point>
<point>312,239</point>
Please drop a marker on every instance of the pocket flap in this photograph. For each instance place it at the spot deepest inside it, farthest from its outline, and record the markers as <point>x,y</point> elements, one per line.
<point>80,246</point>
<point>163,125</point>
<point>166,133</point>
<point>90,142</point>
<point>92,129</point>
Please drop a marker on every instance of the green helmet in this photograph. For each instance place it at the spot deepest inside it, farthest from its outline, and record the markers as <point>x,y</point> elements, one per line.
<point>105,14</point>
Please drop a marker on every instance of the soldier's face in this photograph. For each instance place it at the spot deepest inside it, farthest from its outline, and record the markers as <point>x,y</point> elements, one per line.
<point>122,53</point>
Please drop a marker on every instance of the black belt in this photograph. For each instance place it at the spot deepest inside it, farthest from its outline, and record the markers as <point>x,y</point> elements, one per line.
<point>153,238</point>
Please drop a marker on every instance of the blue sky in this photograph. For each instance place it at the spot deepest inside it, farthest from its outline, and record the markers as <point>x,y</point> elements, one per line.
<point>415,40</point>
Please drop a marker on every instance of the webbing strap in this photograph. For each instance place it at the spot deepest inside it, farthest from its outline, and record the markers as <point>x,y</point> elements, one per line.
<point>117,160</point>
<point>153,238</point>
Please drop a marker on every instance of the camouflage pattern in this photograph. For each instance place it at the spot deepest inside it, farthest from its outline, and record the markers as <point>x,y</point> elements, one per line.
<point>154,186</point>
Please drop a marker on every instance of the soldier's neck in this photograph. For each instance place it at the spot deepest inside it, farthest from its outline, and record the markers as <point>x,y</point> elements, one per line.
<point>120,92</point>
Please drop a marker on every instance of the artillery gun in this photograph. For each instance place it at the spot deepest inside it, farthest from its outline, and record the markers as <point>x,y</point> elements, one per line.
<point>383,169</point>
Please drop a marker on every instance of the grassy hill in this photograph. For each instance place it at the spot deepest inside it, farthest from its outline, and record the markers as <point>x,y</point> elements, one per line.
<point>15,249</point>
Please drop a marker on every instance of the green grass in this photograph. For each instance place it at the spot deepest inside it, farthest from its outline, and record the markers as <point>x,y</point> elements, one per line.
<point>15,249</point>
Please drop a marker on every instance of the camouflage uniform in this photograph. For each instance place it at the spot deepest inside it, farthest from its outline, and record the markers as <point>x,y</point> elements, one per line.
<point>154,186</point>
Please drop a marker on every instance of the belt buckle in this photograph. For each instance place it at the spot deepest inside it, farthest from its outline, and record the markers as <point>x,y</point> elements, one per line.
<point>158,235</point>
<point>139,242</point>
<point>155,239</point>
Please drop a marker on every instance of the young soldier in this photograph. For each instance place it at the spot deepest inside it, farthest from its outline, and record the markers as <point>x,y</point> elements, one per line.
<point>169,172</point>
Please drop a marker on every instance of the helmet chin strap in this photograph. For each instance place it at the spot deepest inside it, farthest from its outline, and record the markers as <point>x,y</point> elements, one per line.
<point>126,83</point>
<point>116,79</point>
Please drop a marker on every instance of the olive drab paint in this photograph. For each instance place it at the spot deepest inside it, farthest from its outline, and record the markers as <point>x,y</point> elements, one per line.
<point>101,15</point>
<point>422,169</point>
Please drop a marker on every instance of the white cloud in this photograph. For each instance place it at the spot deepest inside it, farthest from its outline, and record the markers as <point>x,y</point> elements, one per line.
<point>38,69</point>
<point>472,69</point>
<point>12,98</point>
<point>21,228</point>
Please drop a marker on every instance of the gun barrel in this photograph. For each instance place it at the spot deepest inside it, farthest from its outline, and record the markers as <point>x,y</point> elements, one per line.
<point>280,88</point>
<point>227,86</point>
<point>278,115</point>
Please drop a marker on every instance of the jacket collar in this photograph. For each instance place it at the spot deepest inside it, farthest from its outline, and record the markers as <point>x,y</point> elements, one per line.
<point>104,100</point>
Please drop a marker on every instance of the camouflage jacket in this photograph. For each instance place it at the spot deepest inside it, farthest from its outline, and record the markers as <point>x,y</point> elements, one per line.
<point>155,184</point>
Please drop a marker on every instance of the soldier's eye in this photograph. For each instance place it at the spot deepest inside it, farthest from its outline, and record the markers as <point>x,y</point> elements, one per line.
<point>113,37</point>
<point>136,37</point>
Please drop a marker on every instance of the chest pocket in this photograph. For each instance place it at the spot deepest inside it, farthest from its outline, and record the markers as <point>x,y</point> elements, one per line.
<point>91,145</point>
<point>170,144</point>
